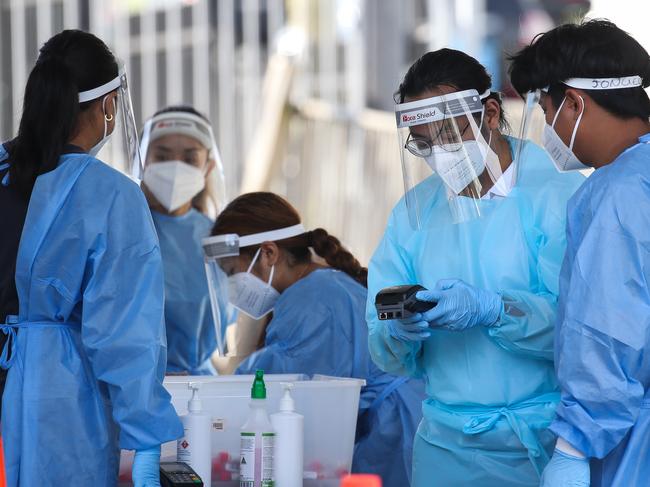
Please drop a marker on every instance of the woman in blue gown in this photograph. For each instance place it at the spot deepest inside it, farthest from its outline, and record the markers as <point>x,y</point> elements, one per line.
<point>183,183</point>
<point>86,347</point>
<point>318,324</point>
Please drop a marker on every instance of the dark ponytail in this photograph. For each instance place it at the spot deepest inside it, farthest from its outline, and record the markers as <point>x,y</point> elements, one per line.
<point>69,62</point>
<point>262,212</point>
<point>329,248</point>
<point>50,110</point>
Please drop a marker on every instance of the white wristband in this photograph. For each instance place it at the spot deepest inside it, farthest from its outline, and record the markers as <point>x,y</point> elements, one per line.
<point>565,447</point>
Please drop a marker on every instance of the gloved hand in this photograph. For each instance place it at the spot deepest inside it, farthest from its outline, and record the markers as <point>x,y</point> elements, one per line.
<point>460,305</point>
<point>146,466</point>
<point>412,329</point>
<point>565,470</point>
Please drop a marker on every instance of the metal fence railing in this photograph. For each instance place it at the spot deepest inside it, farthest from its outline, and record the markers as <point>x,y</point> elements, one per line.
<point>342,169</point>
<point>206,53</point>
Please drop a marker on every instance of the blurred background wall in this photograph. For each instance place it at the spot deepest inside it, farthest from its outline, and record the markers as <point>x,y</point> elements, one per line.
<point>300,92</point>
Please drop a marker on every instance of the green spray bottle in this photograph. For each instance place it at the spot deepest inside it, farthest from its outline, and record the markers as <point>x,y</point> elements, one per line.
<point>257,440</point>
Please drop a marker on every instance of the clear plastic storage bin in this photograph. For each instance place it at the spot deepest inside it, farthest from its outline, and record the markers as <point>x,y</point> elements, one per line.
<point>329,405</point>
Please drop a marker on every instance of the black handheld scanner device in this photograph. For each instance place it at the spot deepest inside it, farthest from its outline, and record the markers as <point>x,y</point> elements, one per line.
<point>394,303</point>
<point>178,474</point>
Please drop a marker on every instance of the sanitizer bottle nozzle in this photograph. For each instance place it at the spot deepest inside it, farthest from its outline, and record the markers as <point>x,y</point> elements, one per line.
<point>194,405</point>
<point>287,403</point>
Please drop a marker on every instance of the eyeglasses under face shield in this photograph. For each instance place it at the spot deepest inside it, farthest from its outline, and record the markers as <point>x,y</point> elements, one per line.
<point>442,140</point>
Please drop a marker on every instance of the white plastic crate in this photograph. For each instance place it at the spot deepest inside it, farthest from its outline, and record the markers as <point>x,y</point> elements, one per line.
<point>329,404</point>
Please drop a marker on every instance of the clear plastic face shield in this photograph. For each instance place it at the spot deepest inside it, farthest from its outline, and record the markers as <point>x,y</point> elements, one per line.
<point>225,271</point>
<point>181,160</point>
<point>542,128</point>
<point>118,147</point>
<point>443,138</point>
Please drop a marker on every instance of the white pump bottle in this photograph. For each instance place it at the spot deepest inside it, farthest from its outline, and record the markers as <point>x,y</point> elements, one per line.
<point>195,447</point>
<point>289,439</point>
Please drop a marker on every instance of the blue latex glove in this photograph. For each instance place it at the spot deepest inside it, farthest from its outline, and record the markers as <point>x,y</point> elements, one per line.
<point>460,306</point>
<point>146,466</point>
<point>412,329</point>
<point>566,470</point>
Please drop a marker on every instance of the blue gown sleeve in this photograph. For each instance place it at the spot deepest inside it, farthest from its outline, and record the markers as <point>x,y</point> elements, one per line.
<point>123,332</point>
<point>601,357</point>
<point>389,267</point>
<point>527,323</point>
<point>301,339</point>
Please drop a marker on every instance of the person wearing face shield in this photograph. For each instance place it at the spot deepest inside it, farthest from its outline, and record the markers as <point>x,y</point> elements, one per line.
<point>317,324</point>
<point>589,81</point>
<point>82,284</point>
<point>481,227</point>
<point>184,186</point>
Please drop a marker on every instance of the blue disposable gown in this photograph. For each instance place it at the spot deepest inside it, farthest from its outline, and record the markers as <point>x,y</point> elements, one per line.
<point>191,334</point>
<point>491,392</point>
<point>89,357</point>
<point>603,333</point>
<point>318,327</point>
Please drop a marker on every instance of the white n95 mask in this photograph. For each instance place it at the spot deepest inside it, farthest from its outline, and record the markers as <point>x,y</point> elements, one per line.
<point>173,183</point>
<point>459,168</point>
<point>251,295</point>
<point>562,156</point>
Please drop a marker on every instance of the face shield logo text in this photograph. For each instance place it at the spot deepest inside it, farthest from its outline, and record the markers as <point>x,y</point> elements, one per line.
<point>174,124</point>
<point>420,116</point>
<point>428,114</point>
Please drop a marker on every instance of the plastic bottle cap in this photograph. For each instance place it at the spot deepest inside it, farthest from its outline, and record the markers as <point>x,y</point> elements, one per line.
<point>287,404</point>
<point>194,405</point>
<point>361,480</point>
<point>258,390</point>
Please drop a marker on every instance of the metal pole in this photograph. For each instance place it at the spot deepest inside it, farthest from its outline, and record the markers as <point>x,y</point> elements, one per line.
<point>149,51</point>
<point>71,14</point>
<point>173,46</point>
<point>226,86</point>
<point>18,58</point>
<point>43,21</point>
<point>201,55</point>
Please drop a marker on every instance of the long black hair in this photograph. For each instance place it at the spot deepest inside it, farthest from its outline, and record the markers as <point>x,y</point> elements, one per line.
<point>70,62</point>
<point>448,67</point>
<point>592,49</point>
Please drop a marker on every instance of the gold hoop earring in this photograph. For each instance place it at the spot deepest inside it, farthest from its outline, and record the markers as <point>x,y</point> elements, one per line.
<point>109,119</point>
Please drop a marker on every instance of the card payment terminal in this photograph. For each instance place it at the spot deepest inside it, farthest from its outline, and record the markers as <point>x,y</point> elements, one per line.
<point>178,474</point>
<point>399,302</point>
